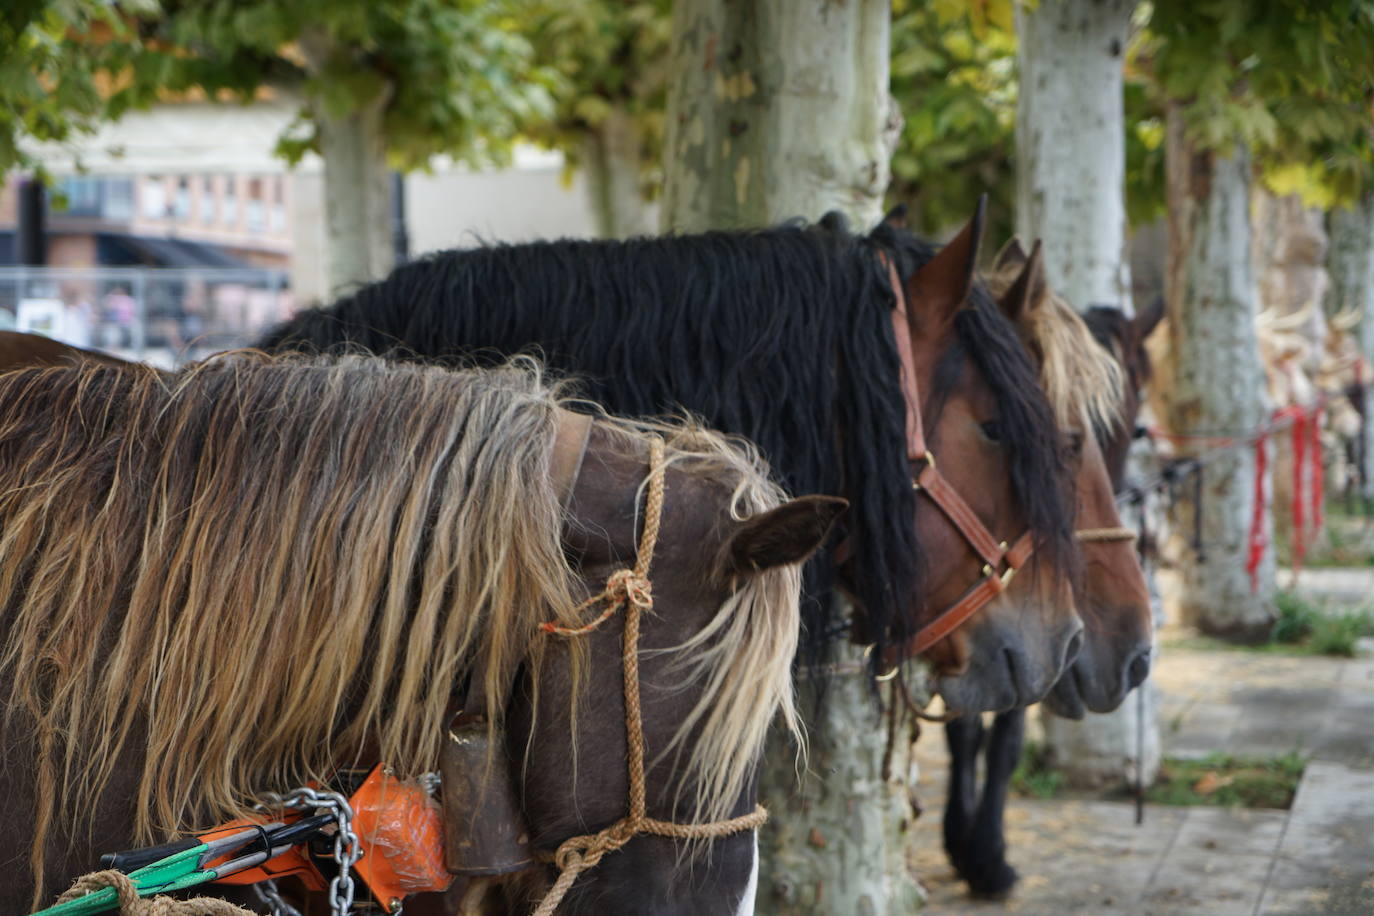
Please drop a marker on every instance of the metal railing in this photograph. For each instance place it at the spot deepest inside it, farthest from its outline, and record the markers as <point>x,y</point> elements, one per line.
<point>165,316</point>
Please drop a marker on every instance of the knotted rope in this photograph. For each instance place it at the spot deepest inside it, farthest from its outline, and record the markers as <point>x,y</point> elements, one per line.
<point>632,590</point>
<point>130,904</point>
<point>1099,535</point>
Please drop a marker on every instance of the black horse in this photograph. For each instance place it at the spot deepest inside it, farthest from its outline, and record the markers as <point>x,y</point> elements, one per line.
<point>784,335</point>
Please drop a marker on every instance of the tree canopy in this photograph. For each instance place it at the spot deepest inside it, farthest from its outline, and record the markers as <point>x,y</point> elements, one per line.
<point>458,77</point>
<point>1292,80</point>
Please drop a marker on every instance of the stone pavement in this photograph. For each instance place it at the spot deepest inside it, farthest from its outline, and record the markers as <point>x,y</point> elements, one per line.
<point>1085,856</point>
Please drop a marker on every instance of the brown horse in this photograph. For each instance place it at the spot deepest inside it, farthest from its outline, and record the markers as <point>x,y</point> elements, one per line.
<point>789,336</point>
<point>251,573</point>
<point>1096,395</point>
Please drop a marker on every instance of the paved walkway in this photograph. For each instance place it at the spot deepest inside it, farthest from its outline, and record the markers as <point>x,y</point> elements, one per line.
<point>1078,856</point>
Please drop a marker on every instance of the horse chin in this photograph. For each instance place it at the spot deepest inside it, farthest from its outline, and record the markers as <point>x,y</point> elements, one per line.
<point>1064,700</point>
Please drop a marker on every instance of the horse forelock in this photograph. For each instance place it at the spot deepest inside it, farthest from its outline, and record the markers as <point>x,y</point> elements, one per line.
<point>1085,384</point>
<point>253,565</point>
<point>782,335</point>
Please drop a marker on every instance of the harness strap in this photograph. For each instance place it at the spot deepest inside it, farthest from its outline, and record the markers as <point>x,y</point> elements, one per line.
<point>929,480</point>
<point>995,581</point>
<point>632,590</point>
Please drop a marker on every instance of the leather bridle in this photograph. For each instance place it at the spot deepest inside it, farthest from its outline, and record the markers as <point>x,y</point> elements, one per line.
<point>1000,561</point>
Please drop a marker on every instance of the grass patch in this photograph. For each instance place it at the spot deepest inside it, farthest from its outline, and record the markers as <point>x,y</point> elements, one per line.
<point>1227,781</point>
<point>1034,777</point>
<point>1339,634</point>
<point>1302,628</point>
<point>1297,617</point>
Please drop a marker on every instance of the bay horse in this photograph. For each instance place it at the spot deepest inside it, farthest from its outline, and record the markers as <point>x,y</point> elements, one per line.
<point>798,338</point>
<point>252,573</point>
<point>1094,367</point>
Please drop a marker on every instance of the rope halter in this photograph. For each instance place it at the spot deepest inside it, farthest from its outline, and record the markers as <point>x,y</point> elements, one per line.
<point>632,590</point>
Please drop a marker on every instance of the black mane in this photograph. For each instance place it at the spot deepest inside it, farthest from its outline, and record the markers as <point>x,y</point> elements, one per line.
<point>782,335</point>
<point>1041,478</point>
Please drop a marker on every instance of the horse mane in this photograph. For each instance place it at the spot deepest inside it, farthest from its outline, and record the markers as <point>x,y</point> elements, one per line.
<point>782,335</point>
<point>1111,328</point>
<point>1084,382</point>
<point>1041,477</point>
<point>260,567</point>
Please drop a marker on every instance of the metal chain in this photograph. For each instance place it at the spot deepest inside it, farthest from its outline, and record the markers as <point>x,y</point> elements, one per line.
<point>347,849</point>
<point>267,893</point>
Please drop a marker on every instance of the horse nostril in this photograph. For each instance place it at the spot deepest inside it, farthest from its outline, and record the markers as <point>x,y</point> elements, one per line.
<point>1071,650</point>
<point>1138,670</point>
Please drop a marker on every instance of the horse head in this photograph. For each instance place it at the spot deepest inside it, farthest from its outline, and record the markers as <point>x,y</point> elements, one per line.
<point>993,443</point>
<point>1090,389</point>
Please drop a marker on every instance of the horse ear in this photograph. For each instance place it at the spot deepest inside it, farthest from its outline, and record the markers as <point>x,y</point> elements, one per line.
<point>834,221</point>
<point>1012,256</point>
<point>942,287</point>
<point>1147,319</point>
<point>896,217</point>
<point>788,534</point>
<point>1028,289</point>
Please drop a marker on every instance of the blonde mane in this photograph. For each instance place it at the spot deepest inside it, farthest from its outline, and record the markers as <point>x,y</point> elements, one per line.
<point>1085,384</point>
<point>261,567</point>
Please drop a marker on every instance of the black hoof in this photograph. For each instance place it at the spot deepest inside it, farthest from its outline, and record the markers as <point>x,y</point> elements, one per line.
<point>991,880</point>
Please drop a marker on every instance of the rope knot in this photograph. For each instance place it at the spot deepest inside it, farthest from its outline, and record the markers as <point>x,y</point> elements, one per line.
<point>630,587</point>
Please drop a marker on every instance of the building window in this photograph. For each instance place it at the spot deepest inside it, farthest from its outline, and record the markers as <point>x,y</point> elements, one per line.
<point>153,197</point>
<point>278,205</point>
<point>231,202</point>
<point>256,217</point>
<point>119,199</point>
<point>182,204</point>
<point>82,194</point>
<point>209,201</point>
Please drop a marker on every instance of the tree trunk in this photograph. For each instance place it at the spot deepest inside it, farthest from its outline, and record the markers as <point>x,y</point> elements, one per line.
<point>1217,390</point>
<point>357,197</point>
<point>1072,196</point>
<point>357,184</point>
<point>776,109</point>
<point>780,109</point>
<point>1070,148</point>
<point>611,155</point>
<point>838,833</point>
<point>1350,262</point>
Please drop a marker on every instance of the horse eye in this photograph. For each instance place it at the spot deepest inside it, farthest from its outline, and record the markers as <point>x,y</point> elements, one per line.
<point>992,431</point>
<point>1076,444</point>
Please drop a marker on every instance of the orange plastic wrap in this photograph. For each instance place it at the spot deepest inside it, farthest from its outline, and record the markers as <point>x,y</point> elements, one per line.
<point>401,829</point>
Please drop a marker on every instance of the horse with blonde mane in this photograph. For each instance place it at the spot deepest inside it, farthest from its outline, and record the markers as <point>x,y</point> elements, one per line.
<point>1093,380</point>
<point>251,573</point>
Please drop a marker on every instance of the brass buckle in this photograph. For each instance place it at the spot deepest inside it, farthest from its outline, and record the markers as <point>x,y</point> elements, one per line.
<point>881,678</point>
<point>929,458</point>
<point>1006,576</point>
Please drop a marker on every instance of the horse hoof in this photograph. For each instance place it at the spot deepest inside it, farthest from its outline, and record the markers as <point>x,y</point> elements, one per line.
<point>993,881</point>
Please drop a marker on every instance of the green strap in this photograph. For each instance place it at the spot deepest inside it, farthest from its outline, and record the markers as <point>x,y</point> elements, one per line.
<point>177,871</point>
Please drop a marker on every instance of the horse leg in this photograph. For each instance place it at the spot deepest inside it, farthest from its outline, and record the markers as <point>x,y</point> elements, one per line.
<point>965,737</point>
<point>985,855</point>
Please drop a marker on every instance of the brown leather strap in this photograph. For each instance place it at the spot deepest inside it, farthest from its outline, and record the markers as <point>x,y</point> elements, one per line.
<point>960,514</point>
<point>993,583</point>
<point>901,333</point>
<point>565,465</point>
<point>930,481</point>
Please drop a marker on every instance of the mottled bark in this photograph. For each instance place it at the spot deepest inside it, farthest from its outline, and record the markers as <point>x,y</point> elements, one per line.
<point>1070,147</point>
<point>1216,387</point>
<point>357,184</point>
<point>776,109</point>
<point>838,832</point>
<point>1350,263</point>
<point>1071,195</point>
<point>780,109</point>
<point>610,158</point>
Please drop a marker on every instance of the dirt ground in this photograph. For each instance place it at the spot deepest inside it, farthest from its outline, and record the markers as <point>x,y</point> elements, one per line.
<point>1088,856</point>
